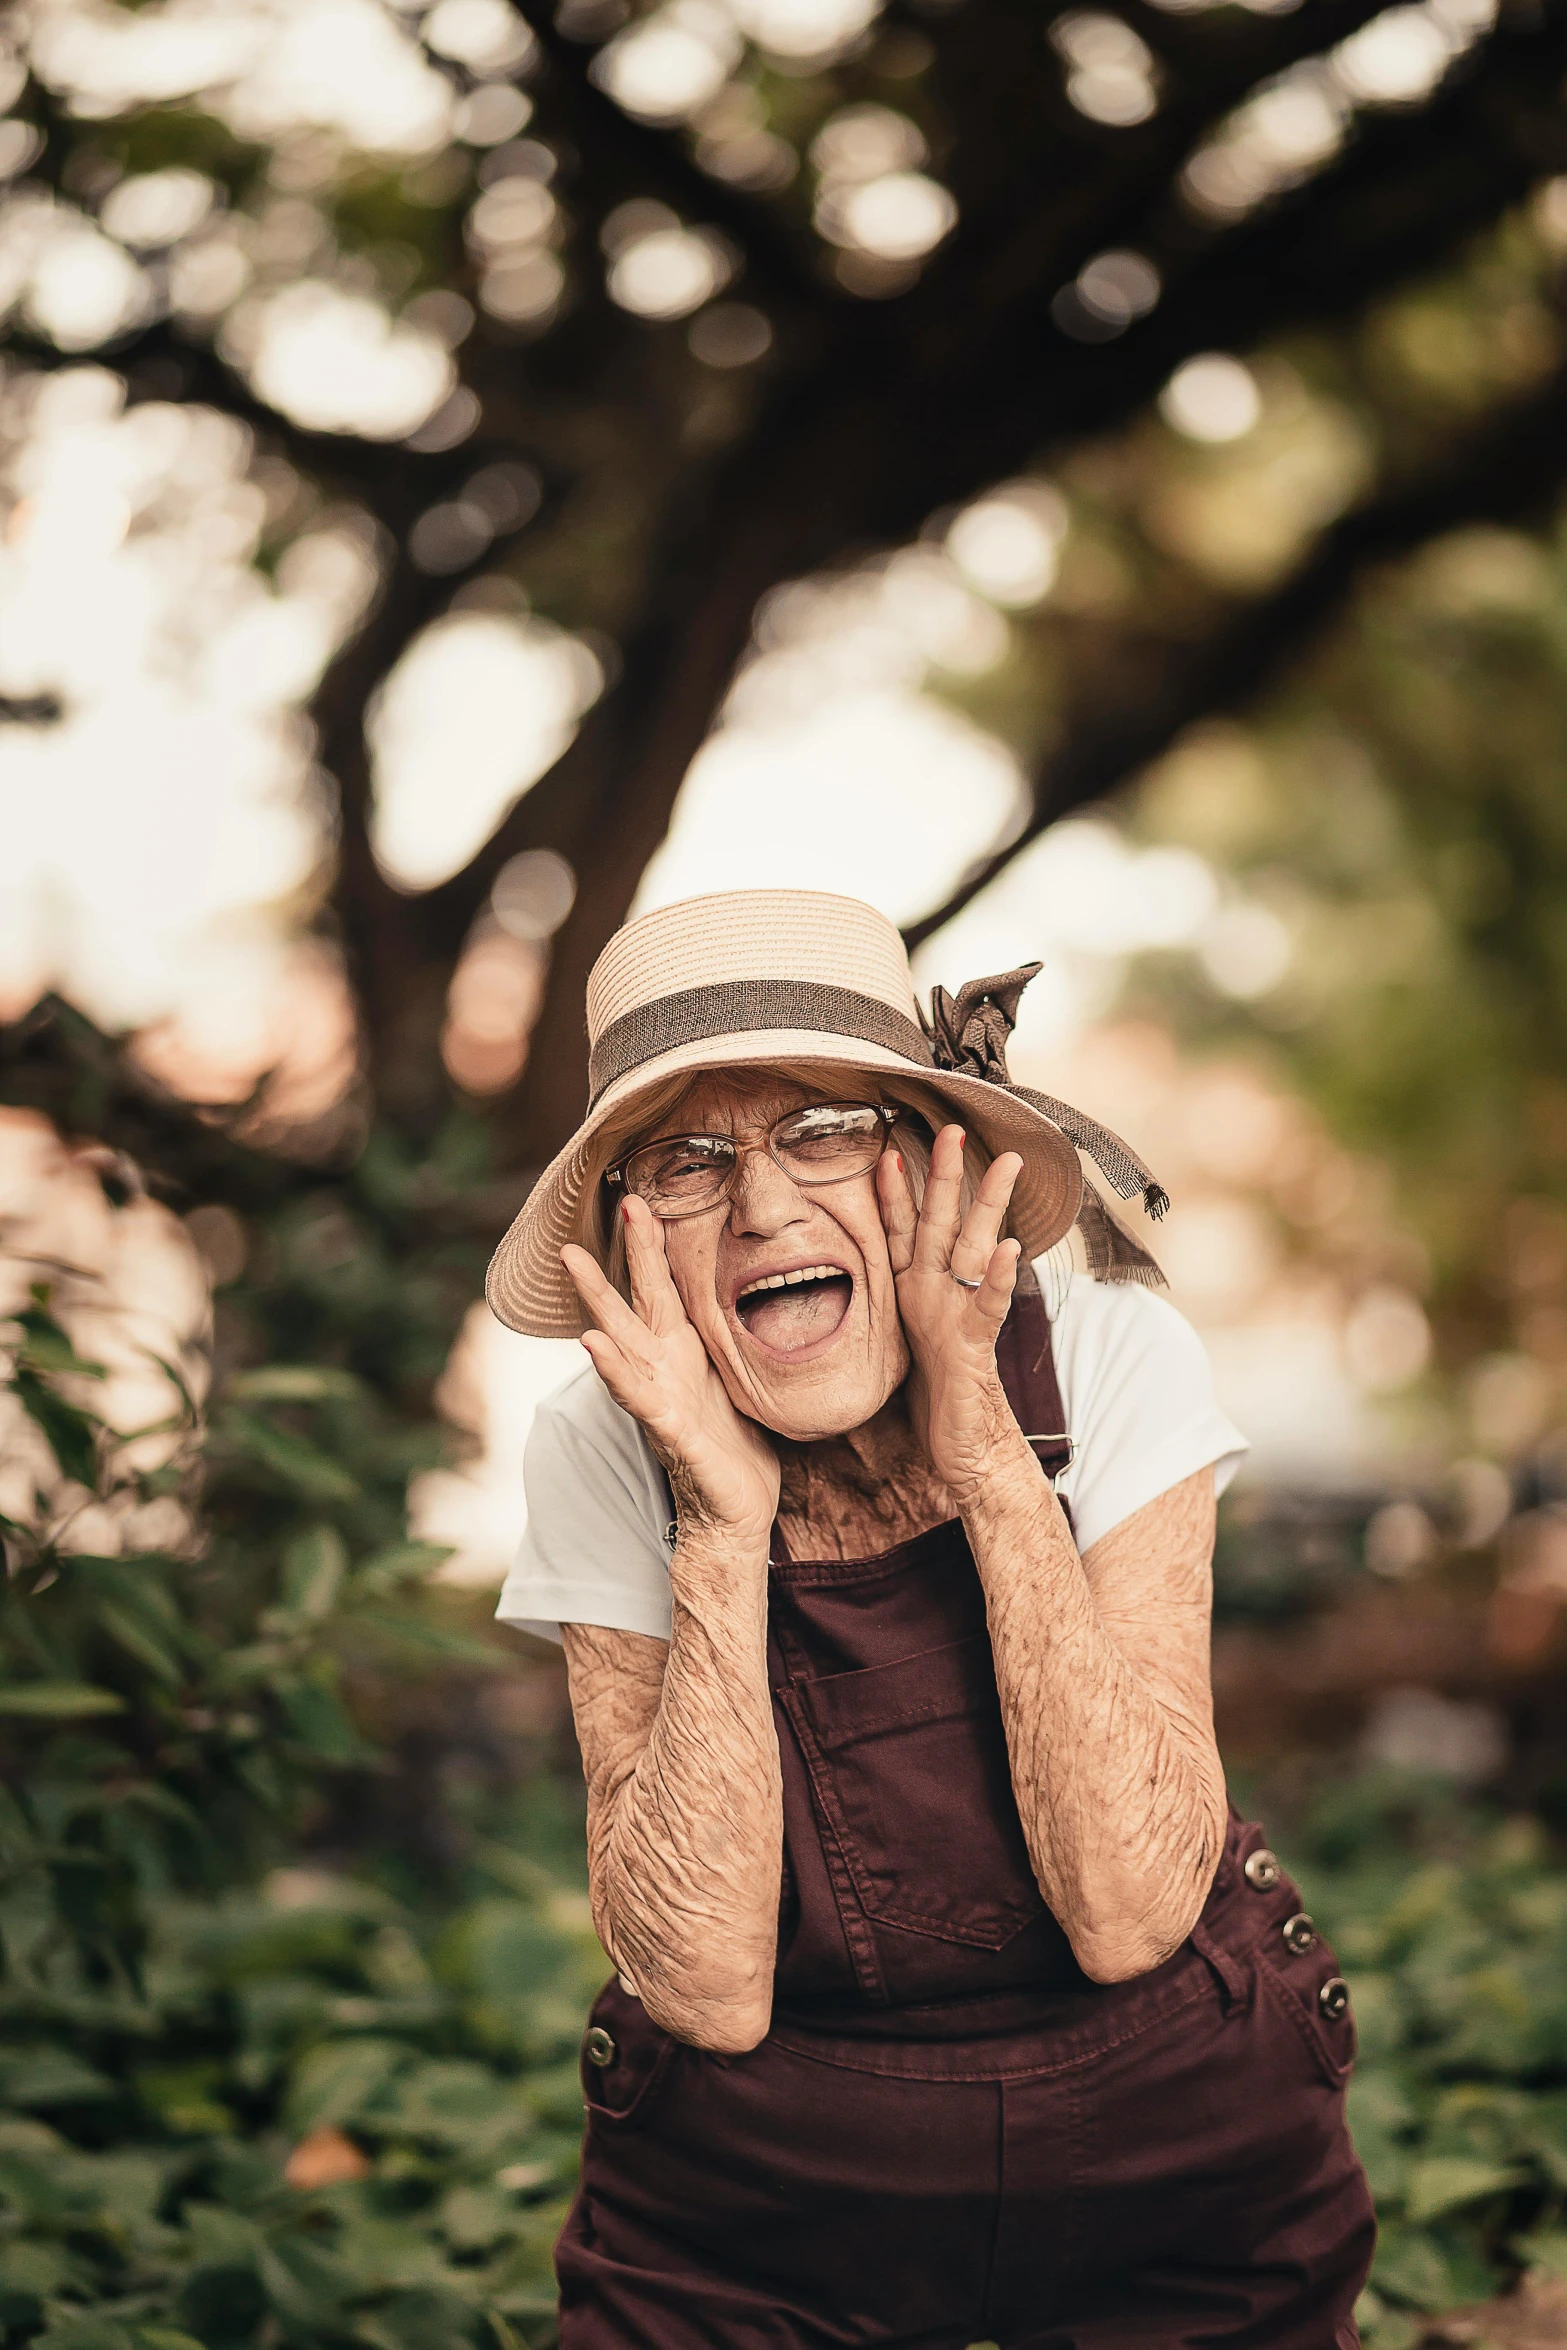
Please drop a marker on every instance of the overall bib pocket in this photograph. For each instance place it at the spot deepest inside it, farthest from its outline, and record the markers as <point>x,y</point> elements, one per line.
<point>908,1762</point>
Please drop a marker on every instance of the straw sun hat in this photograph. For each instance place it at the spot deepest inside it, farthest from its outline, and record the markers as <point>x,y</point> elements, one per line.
<point>752,978</point>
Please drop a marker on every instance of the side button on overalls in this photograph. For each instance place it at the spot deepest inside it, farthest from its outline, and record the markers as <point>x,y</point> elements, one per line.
<point>950,2134</point>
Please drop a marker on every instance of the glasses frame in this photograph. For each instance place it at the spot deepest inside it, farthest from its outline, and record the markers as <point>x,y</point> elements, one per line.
<point>888,1112</point>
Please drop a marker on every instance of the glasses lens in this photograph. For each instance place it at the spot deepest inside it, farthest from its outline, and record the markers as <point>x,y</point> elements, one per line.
<point>683,1174</point>
<point>828,1141</point>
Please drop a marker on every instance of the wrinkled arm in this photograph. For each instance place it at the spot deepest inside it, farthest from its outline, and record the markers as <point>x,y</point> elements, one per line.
<point>685,1801</point>
<point>1103,1668</point>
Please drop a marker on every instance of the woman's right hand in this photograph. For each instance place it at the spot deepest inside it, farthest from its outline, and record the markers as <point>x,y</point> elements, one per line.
<point>723,1470</point>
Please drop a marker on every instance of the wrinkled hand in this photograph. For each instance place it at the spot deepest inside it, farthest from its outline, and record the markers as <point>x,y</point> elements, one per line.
<point>721,1466</point>
<point>956,1400</point>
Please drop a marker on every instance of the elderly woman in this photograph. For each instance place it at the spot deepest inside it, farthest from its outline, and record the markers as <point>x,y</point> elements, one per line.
<point>952,2002</point>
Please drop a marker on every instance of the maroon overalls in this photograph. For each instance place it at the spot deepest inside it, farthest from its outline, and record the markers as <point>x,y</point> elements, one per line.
<point>950,2134</point>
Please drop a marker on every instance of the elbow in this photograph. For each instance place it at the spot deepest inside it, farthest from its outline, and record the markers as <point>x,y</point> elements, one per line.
<point>1122,1958</point>
<point>735,2032</point>
<point>719,2027</point>
<point>1118,1950</point>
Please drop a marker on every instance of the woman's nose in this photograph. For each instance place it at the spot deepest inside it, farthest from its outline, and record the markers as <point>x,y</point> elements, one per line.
<point>764,1200</point>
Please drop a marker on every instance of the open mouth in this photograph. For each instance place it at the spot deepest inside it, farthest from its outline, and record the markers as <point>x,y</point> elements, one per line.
<point>790,1311</point>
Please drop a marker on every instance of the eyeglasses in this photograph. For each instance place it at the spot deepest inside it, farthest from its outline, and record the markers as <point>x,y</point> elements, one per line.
<point>690,1174</point>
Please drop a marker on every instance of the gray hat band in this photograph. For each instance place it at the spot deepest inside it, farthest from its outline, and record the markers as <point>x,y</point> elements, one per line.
<point>741,1007</point>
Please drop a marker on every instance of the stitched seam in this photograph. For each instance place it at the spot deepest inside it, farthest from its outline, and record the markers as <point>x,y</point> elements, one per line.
<point>852,1915</point>
<point>1326,2063</point>
<point>873,1906</point>
<point>1076,2062</point>
<point>987,2311</point>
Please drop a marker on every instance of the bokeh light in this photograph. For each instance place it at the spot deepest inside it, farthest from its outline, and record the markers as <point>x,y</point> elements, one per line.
<point>338,362</point>
<point>1008,544</point>
<point>664,68</point>
<point>1212,398</point>
<point>668,273</point>
<point>475,711</point>
<point>805,32</point>
<point>1111,74</point>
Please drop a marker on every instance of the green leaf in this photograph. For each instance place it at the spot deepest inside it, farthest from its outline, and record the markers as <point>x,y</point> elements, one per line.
<point>337,2083</point>
<point>297,1463</point>
<point>181,2097</point>
<point>295,1383</point>
<point>1411,2267</point>
<point>134,1638</point>
<point>58,1701</point>
<point>417,1633</point>
<point>474,2218</point>
<point>70,1433</point>
<point>403,1562</point>
<point>319,1723</point>
<point>1546,2248</point>
<point>314,1565</point>
<point>84,2333</point>
<point>46,1344</point>
<point>49,2076</point>
<point>1445,2182</point>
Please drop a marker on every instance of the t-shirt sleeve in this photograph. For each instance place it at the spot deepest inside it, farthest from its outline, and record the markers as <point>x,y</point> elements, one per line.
<point>1138,1395</point>
<point>593,1549</point>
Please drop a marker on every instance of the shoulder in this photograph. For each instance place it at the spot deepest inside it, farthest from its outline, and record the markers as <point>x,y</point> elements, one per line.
<point>1118,1330</point>
<point>580,1419</point>
<point>1138,1396</point>
<point>584,1454</point>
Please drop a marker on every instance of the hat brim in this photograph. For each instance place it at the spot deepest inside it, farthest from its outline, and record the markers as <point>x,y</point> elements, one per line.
<point>527,1286</point>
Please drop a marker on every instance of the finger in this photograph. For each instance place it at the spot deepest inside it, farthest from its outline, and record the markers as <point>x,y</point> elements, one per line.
<point>899,1215</point>
<point>993,1298</point>
<point>626,1382</point>
<point>982,1225</point>
<point>653,1292</point>
<point>606,1305</point>
<point>938,1224</point>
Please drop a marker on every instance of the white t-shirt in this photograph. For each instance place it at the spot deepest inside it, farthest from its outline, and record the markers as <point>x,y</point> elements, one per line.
<point>1135,1387</point>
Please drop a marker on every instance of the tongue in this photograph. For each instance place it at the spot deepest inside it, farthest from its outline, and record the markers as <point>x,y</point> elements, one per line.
<point>791,1318</point>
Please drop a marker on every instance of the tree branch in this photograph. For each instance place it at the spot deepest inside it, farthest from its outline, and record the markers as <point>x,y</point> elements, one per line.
<point>1511,469</point>
<point>638,157</point>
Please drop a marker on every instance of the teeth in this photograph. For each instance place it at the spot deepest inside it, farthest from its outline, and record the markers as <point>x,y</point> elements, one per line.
<point>791,1280</point>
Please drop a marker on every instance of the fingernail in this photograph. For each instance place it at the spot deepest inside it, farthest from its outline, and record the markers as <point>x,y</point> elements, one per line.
<point>962,1138</point>
<point>625,1210</point>
<point>897,1160</point>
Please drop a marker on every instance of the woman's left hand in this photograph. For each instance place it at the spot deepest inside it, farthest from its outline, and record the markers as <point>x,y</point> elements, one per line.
<point>956,1399</point>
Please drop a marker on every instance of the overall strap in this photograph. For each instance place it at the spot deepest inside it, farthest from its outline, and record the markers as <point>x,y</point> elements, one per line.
<point>1028,1374</point>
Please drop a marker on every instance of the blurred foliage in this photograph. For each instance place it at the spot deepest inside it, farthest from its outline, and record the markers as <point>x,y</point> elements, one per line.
<point>1453,1933</point>
<point>317,2120</point>
<point>1402,811</point>
<point>307,2114</point>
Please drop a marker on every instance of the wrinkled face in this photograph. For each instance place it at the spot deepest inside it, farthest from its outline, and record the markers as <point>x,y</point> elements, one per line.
<point>810,1358</point>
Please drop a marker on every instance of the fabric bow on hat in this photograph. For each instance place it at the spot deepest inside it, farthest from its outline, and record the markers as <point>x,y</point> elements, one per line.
<point>968,1033</point>
<point>969,1030</point>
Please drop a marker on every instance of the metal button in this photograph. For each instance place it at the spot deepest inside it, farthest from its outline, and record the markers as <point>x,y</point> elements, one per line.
<point>1300,1935</point>
<point>1333,1998</point>
<point>599,2048</point>
<point>1262,1869</point>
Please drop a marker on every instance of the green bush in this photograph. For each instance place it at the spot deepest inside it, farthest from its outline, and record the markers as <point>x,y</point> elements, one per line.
<point>1452,1930</point>
<point>245,2103</point>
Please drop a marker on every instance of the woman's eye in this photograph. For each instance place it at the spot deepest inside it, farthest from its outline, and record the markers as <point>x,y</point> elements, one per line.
<point>689,1166</point>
